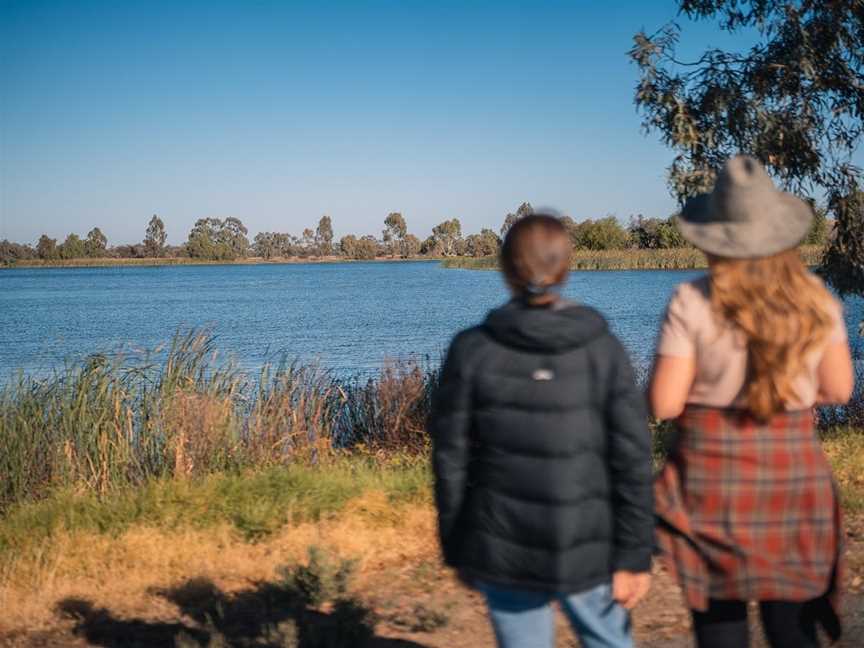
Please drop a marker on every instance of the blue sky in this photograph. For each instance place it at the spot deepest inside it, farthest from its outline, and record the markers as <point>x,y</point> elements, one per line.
<point>279,112</point>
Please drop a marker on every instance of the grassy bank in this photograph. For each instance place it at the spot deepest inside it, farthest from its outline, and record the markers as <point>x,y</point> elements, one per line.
<point>128,483</point>
<point>77,553</point>
<point>257,503</point>
<point>671,259</point>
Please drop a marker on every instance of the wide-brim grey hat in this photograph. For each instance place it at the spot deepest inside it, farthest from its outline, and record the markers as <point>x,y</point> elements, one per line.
<point>745,216</point>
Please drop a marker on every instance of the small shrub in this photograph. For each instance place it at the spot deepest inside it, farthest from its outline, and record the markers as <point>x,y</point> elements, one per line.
<point>320,580</point>
<point>350,623</point>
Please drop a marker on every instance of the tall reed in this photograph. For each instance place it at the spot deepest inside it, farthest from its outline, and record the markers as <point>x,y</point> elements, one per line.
<point>114,422</point>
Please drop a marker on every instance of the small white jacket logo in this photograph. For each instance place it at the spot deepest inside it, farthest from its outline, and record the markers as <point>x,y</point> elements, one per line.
<point>543,374</point>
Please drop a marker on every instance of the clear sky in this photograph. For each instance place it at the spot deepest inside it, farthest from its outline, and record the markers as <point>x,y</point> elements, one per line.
<point>277,112</point>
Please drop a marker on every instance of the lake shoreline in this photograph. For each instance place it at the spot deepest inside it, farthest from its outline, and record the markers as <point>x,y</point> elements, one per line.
<point>634,259</point>
<point>183,261</point>
<point>631,259</point>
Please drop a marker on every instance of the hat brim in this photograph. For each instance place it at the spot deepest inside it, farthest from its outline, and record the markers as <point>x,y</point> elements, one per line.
<point>780,226</point>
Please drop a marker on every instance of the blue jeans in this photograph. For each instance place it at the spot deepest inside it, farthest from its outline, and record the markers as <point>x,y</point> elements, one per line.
<point>523,618</point>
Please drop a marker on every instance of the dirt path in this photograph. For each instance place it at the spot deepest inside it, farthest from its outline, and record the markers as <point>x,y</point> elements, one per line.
<point>418,604</point>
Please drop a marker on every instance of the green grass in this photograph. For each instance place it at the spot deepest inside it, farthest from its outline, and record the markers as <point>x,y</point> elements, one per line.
<point>255,504</point>
<point>635,259</point>
<point>258,503</point>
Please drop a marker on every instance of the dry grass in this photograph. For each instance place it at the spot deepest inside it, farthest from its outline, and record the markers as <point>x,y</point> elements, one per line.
<point>122,572</point>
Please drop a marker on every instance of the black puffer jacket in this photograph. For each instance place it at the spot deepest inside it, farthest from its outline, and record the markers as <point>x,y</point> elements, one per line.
<point>542,452</point>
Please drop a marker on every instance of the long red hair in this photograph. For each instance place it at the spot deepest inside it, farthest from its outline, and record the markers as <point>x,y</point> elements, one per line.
<point>783,310</point>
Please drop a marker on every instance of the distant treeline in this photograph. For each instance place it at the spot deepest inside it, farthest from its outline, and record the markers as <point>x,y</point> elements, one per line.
<point>227,240</point>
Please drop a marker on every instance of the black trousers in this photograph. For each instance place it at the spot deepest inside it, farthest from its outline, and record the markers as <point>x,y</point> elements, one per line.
<point>724,625</point>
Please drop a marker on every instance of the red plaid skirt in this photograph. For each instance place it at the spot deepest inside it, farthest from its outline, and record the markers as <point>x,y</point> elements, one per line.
<point>747,511</point>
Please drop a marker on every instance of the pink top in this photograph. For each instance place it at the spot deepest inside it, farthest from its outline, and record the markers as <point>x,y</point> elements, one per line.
<point>690,329</point>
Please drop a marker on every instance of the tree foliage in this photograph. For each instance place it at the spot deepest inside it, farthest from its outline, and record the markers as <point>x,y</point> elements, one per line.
<point>410,246</point>
<point>155,237</point>
<point>11,252</point>
<point>486,243</point>
<point>233,234</point>
<point>395,231</point>
<point>602,234</point>
<point>324,236</point>
<point>72,247</point>
<point>523,210</point>
<point>46,248</point>
<point>223,240</point>
<point>273,244</point>
<point>655,233</point>
<point>446,237</point>
<point>820,230</point>
<point>307,242</point>
<point>96,243</point>
<point>794,100</point>
<point>365,247</point>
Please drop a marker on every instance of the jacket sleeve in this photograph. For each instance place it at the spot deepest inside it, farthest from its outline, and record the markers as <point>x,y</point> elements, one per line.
<point>629,460</point>
<point>449,426</point>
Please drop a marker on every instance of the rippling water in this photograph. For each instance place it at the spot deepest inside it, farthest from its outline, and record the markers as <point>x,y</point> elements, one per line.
<point>348,317</point>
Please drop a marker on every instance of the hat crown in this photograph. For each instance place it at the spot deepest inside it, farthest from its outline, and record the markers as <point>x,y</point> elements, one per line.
<point>745,216</point>
<point>741,187</point>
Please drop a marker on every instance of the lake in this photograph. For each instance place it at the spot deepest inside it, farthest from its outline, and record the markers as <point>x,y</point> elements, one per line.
<point>347,316</point>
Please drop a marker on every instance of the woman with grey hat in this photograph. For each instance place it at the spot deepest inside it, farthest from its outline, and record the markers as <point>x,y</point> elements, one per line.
<point>745,503</point>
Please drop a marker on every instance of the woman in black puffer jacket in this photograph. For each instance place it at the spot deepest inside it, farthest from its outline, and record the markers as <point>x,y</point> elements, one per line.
<point>542,457</point>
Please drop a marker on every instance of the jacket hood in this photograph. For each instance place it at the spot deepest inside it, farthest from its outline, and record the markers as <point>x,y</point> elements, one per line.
<point>559,328</point>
